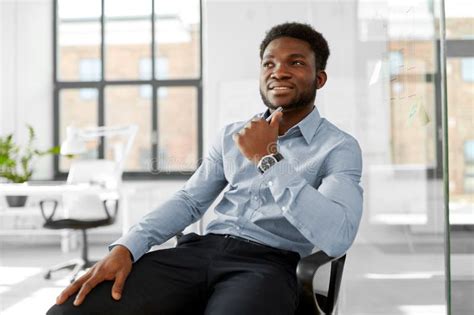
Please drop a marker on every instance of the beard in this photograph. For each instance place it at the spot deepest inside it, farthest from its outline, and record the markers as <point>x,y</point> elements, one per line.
<point>304,99</point>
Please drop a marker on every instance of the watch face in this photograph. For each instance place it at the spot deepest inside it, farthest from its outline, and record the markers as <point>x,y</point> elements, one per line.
<point>268,162</point>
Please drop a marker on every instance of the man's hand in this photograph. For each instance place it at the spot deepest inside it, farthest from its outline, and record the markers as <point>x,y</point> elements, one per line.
<point>116,265</point>
<point>258,138</point>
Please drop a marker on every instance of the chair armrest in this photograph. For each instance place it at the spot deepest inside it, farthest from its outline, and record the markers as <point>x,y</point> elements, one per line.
<point>115,208</point>
<point>42,203</point>
<point>306,270</point>
<point>308,266</point>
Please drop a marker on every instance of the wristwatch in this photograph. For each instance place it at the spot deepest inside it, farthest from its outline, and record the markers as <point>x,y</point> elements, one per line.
<point>268,161</point>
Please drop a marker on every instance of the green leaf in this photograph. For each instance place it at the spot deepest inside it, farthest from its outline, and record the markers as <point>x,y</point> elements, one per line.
<point>31,133</point>
<point>16,163</point>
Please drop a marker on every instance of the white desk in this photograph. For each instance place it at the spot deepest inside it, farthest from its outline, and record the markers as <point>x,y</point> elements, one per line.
<point>48,190</point>
<point>56,190</point>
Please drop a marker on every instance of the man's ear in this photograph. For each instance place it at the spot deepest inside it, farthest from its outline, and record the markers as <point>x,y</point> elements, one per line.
<point>321,78</point>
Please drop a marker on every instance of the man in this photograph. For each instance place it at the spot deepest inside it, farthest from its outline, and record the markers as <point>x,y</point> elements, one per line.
<point>292,184</point>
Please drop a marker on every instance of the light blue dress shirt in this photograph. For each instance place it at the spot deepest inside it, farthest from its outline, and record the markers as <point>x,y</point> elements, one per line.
<point>310,200</point>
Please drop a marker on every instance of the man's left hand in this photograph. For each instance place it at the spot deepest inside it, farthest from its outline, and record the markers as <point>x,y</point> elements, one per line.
<point>258,138</point>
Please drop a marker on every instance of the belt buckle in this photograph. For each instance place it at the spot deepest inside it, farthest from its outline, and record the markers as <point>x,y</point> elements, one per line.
<point>242,239</point>
<point>233,237</point>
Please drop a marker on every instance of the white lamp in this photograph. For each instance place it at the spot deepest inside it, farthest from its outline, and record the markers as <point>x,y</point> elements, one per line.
<point>76,137</point>
<point>74,143</point>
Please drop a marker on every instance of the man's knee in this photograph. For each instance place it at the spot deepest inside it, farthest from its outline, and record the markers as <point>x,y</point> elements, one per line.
<point>96,302</point>
<point>66,308</point>
<point>85,308</point>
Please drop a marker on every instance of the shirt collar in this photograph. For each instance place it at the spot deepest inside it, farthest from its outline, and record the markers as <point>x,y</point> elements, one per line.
<point>307,126</point>
<point>310,124</point>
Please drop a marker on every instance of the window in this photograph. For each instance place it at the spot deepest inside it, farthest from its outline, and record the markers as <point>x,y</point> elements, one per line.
<point>467,69</point>
<point>120,62</point>
<point>161,66</point>
<point>89,70</point>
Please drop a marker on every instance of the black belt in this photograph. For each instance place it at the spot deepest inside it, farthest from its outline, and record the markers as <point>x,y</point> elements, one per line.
<point>243,240</point>
<point>283,251</point>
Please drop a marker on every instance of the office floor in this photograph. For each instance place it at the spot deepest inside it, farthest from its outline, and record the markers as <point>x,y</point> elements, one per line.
<point>366,287</point>
<point>23,290</point>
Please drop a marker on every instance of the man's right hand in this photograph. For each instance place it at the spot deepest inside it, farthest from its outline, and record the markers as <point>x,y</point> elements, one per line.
<point>115,266</point>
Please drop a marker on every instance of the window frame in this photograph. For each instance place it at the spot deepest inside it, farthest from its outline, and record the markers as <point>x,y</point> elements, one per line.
<point>101,84</point>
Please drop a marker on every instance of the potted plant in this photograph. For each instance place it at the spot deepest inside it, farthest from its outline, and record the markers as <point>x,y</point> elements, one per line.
<point>16,162</point>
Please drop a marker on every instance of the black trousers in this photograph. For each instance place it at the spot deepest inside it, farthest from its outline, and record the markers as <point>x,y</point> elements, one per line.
<point>211,274</point>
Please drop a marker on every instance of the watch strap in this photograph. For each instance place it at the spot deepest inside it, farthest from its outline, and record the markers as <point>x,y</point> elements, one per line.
<point>277,156</point>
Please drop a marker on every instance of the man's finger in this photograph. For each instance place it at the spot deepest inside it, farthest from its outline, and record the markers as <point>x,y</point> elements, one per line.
<point>86,288</point>
<point>72,288</point>
<point>275,122</point>
<point>117,288</point>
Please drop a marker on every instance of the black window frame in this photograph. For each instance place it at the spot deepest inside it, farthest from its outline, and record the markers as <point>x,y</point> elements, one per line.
<point>100,85</point>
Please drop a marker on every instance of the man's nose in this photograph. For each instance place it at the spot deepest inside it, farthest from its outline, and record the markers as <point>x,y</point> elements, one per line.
<point>280,71</point>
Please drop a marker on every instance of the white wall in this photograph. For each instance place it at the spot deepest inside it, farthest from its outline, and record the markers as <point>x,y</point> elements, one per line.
<point>26,73</point>
<point>1,67</point>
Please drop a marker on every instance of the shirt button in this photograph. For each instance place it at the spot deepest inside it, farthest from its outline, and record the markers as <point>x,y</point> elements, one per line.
<point>270,184</point>
<point>255,198</point>
<point>283,208</point>
<point>238,228</point>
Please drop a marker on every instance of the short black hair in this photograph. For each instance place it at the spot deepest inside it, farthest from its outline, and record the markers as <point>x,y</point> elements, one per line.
<point>304,32</point>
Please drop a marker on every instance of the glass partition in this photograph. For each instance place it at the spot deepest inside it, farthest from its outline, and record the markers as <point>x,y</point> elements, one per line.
<point>397,264</point>
<point>460,106</point>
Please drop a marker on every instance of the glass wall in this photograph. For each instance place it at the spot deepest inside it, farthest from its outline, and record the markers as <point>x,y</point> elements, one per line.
<point>460,90</point>
<point>397,264</point>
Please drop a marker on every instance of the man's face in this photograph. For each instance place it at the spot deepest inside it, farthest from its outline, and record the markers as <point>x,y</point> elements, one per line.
<point>288,75</point>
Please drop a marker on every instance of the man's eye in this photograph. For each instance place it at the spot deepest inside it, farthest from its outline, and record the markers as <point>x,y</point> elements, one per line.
<point>298,62</point>
<point>267,64</point>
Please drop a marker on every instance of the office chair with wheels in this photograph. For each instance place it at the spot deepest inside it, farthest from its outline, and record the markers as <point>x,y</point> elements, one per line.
<point>84,211</point>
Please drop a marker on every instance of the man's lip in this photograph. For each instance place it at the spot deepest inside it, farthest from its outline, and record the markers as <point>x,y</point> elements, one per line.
<point>279,87</point>
<point>280,92</point>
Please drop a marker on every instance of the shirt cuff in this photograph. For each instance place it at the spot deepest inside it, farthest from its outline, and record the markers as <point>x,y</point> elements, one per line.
<point>134,243</point>
<point>280,176</point>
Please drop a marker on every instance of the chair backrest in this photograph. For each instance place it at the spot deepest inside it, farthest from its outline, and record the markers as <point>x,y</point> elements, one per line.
<point>101,172</point>
<point>95,172</point>
<point>322,279</point>
<point>311,301</point>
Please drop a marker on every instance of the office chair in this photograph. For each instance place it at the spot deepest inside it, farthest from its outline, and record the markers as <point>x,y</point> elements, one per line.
<point>311,301</point>
<point>84,211</point>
